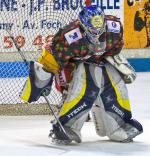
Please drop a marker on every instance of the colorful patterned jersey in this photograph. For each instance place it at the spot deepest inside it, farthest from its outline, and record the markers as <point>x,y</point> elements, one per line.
<point>71,44</point>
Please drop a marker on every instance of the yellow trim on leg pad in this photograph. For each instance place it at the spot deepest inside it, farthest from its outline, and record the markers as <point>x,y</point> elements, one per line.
<point>124,103</point>
<point>69,105</point>
<point>26,91</point>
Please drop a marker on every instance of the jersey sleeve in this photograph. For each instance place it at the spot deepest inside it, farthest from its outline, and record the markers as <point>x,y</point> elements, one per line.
<point>57,47</point>
<point>68,43</point>
<point>114,39</point>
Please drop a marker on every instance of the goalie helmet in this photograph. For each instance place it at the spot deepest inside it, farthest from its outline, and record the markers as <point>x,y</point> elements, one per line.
<point>92,20</point>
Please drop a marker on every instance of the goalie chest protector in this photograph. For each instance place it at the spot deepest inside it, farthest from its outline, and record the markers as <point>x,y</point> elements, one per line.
<point>70,41</point>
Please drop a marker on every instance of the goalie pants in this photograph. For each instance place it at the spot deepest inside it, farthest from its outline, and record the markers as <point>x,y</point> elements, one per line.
<point>101,90</point>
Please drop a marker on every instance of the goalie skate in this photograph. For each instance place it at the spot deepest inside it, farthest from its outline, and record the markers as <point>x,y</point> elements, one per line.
<point>59,137</point>
<point>132,132</point>
<point>127,132</point>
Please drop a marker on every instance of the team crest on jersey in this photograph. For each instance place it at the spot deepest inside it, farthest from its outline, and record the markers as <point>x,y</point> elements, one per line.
<point>113,26</point>
<point>73,35</point>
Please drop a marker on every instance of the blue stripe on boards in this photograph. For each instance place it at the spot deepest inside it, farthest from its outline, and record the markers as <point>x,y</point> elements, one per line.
<point>19,69</point>
<point>13,69</point>
<point>140,64</point>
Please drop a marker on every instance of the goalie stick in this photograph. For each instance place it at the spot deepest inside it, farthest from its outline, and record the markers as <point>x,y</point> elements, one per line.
<point>44,93</point>
<point>12,37</point>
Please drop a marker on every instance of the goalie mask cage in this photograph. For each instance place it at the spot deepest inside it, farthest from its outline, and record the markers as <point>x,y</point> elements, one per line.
<point>32,24</point>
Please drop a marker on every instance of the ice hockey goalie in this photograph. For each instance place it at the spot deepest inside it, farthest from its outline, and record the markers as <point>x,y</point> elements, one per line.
<point>91,74</point>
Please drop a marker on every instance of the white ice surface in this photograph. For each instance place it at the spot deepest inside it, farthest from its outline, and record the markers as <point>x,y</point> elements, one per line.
<point>28,136</point>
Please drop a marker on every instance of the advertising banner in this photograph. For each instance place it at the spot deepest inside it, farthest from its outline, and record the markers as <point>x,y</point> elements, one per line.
<point>137,23</point>
<point>32,23</point>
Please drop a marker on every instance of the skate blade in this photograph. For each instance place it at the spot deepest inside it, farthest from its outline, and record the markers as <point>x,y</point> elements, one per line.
<point>60,142</point>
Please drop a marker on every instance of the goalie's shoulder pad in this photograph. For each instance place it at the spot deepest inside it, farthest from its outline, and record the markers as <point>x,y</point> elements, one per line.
<point>39,82</point>
<point>67,35</point>
<point>71,26</point>
<point>113,24</point>
<point>112,18</point>
<point>72,32</point>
